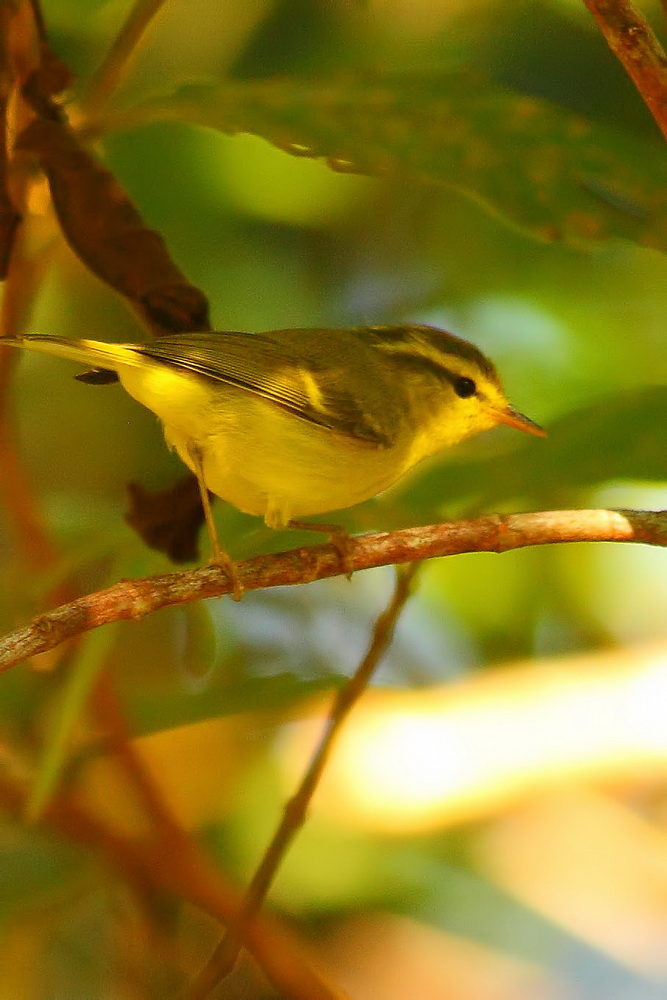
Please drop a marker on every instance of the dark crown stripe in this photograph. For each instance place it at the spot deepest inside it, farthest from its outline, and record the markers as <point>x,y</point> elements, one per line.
<point>422,363</point>
<point>406,341</point>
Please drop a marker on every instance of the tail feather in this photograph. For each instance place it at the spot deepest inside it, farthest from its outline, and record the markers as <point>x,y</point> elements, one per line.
<point>89,352</point>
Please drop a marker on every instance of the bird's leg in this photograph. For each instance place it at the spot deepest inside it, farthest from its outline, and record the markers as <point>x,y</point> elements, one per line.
<point>338,537</point>
<point>220,557</point>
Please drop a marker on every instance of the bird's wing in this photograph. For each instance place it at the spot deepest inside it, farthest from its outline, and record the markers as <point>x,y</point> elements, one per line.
<point>289,368</point>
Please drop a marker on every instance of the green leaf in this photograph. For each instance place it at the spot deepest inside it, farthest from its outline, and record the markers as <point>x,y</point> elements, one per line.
<point>278,691</point>
<point>35,867</point>
<point>546,170</point>
<point>77,687</point>
<point>619,437</point>
<point>200,650</point>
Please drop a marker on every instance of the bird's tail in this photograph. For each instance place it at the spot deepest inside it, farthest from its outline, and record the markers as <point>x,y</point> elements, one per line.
<point>89,352</point>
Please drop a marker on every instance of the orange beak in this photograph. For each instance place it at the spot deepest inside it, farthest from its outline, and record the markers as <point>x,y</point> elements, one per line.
<point>513,418</point>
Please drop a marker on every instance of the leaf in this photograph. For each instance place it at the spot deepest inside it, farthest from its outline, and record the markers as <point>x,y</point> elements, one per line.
<point>168,520</point>
<point>84,673</point>
<point>200,646</point>
<point>9,217</point>
<point>34,867</point>
<point>105,229</point>
<point>545,169</point>
<point>256,694</point>
<point>616,438</point>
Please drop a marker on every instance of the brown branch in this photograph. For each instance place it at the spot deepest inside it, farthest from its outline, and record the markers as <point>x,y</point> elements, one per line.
<point>177,867</point>
<point>182,852</point>
<point>134,599</point>
<point>107,708</point>
<point>632,40</point>
<point>155,918</point>
<point>224,957</point>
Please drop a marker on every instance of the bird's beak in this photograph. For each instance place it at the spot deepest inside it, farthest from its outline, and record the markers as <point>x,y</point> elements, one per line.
<point>508,415</point>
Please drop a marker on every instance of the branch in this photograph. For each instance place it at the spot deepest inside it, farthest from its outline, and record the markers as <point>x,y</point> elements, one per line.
<point>176,866</point>
<point>224,957</point>
<point>633,42</point>
<point>134,599</point>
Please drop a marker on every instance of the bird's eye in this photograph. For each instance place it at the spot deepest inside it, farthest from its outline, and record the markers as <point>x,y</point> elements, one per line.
<point>464,387</point>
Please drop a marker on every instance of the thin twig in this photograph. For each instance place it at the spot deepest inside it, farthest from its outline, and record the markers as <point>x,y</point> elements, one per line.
<point>226,954</point>
<point>114,66</point>
<point>134,599</point>
<point>181,869</point>
<point>633,41</point>
<point>108,710</point>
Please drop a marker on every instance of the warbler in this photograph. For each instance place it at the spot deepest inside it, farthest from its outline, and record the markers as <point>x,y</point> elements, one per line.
<point>291,423</point>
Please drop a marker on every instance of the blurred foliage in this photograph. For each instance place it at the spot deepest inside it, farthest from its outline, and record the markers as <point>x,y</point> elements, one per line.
<point>462,117</point>
<point>551,172</point>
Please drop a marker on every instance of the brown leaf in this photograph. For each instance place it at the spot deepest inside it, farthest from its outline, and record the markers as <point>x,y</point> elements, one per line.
<point>9,217</point>
<point>169,520</point>
<point>9,221</point>
<point>105,229</point>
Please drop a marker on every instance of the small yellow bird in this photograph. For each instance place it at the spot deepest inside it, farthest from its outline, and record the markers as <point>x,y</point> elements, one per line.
<point>290,423</point>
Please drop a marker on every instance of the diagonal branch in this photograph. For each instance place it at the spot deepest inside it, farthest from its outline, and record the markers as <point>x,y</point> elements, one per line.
<point>224,957</point>
<point>134,599</point>
<point>176,866</point>
<point>634,43</point>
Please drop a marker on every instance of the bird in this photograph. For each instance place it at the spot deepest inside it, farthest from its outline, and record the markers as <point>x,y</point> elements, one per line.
<point>286,424</point>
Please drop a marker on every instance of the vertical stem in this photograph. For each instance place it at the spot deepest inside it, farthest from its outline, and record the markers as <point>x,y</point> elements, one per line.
<point>22,272</point>
<point>114,66</point>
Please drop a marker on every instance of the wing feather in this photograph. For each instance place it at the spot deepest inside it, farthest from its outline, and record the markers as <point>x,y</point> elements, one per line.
<point>290,368</point>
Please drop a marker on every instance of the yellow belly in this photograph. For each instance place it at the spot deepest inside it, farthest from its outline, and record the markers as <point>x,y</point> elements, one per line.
<point>258,457</point>
<point>279,467</point>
